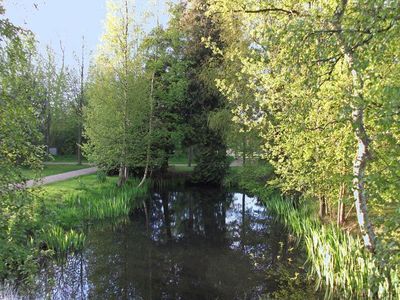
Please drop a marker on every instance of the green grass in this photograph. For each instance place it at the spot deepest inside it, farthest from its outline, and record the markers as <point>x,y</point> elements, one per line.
<point>87,184</point>
<point>86,198</point>
<point>180,169</point>
<point>51,170</point>
<point>62,241</point>
<point>183,160</point>
<point>178,160</point>
<point>65,158</point>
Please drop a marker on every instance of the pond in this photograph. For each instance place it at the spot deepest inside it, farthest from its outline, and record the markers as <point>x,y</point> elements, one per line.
<point>193,243</point>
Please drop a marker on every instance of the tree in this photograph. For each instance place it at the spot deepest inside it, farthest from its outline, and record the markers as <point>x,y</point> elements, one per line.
<point>118,95</point>
<point>184,96</point>
<point>313,70</point>
<point>56,97</point>
<point>81,101</point>
<point>18,120</point>
<point>19,142</point>
<point>202,96</point>
<point>163,50</point>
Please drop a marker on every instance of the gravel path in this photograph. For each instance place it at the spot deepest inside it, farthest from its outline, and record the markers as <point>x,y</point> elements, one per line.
<point>60,177</point>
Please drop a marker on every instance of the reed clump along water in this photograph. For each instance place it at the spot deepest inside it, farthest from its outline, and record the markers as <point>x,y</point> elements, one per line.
<point>337,259</point>
<point>113,203</point>
<point>54,219</point>
<point>62,241</point>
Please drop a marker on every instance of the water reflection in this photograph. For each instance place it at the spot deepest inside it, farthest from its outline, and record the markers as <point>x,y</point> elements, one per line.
<point>191,244</point>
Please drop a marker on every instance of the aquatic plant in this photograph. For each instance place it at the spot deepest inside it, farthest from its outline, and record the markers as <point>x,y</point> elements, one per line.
<point>111,203</point>
<point>337,259</point>
<point>63,241</point>
<point>115,203</point>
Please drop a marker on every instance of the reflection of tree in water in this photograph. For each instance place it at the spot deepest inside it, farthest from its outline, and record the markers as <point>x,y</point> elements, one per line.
<point>199,243</point>
<point>63,280</point>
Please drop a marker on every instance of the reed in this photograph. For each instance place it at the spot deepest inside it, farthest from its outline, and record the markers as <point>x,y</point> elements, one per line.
<point>63,241</point>
<point>112,203</point>
<point>337,259</point>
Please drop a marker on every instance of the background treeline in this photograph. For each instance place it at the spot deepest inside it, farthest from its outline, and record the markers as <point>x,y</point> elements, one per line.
<point>151,96</point>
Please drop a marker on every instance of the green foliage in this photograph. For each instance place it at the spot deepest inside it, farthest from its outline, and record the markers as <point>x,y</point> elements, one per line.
<point>249,177</point>
<point>18,123</point>
<point>202,97</point>
<point>59,94</point>
<point>19,148</point>
<point>164,55</point>
<point>318,83</point>
<point>212,162</point>
<point>118,93</point>
<point>101,176</point>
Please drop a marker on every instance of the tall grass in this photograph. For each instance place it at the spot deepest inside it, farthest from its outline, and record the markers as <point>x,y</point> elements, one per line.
<point>112,203</point>
<point>336,258</point>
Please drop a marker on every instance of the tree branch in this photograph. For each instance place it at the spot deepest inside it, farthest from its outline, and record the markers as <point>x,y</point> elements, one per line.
<point>267,10</point>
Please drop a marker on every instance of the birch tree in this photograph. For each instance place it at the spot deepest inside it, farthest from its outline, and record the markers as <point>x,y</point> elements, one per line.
<point>118,95</point>
<point>313,69</point>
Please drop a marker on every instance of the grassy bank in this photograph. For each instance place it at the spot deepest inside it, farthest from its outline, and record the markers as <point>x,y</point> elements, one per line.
<point>337,260</point>
<point>49,170</point>
<point>51,220</point>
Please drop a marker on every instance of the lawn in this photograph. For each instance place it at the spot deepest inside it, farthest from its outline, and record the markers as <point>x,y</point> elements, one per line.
<point>88,184</point>
<point>178,159</point>
<point>51,170</point>
<point>65,158</point>
<point>180,169</point>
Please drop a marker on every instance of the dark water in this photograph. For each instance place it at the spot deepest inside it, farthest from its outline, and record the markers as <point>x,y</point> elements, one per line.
<point>195,243</point>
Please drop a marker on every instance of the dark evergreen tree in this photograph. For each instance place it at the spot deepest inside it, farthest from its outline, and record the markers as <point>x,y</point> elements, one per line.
<point>203,98</point>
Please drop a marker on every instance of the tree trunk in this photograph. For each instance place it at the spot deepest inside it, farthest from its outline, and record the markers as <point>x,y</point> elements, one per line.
<point>123,172</point>
<point>244,149</point>
<point>123,175</point>
<point>322,207</point>
<point>79,151</point>
<point>359,167</point>
<point>146,169</point>
<point>362,157</point>
<point>341,207</point>
<point>190,156</point>
<point>80,107</point>
<point>48,123</point>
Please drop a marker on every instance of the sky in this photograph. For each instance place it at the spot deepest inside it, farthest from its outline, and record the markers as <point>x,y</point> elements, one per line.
<point>67,21</point>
